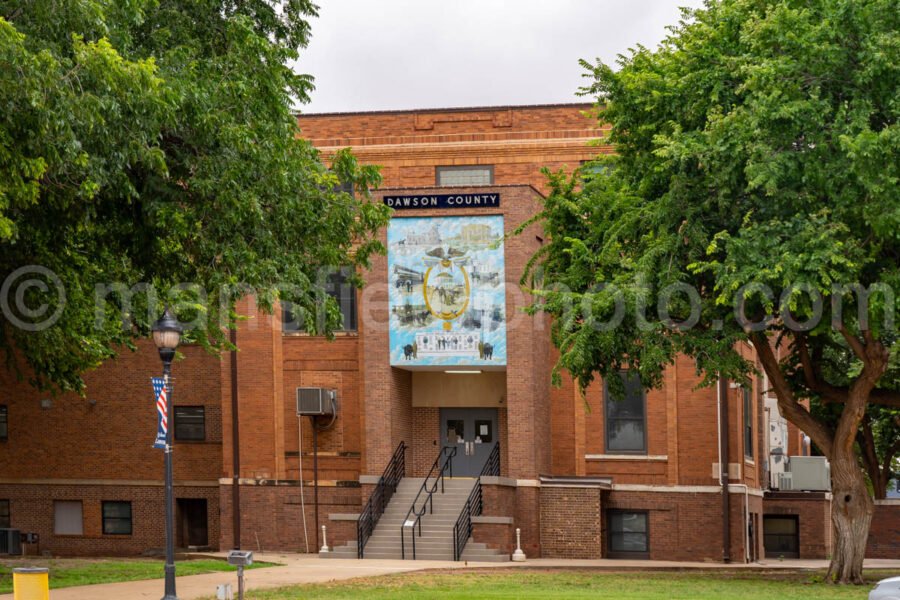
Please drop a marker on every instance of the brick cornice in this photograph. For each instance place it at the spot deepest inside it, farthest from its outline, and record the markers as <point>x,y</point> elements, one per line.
<point>485,152</point>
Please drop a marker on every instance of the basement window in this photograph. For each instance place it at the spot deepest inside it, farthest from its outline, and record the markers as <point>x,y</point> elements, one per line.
<point>117,518</point>
<point>4,514</point>
<point>628,534</point>
<point>464,175</point>
<point>67,519</point>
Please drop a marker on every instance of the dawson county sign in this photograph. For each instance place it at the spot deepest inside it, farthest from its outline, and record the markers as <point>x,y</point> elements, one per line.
<point>443,201</point>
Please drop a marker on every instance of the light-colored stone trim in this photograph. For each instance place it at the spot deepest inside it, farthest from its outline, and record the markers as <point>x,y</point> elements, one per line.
<point>528,483</point>
<point>682,489</point>
<point>887,502</point>
<point>343,517</point>
<point>492,480</point>
<point>107,482</point>
<point>492,520</point>
<point>633,457</point>
<point>369,479</point>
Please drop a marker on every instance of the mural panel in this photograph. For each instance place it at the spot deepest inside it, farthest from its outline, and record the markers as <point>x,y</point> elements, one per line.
<point>447,291</point>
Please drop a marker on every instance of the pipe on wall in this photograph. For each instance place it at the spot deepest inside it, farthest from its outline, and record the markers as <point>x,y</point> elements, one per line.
<point>235,447</point>
<point>722,401</point>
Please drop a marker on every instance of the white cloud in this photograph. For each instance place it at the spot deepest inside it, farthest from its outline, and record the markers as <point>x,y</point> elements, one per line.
<point>397,54</point>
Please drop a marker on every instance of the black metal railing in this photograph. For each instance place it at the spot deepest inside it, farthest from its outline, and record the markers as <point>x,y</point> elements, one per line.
<point>462,531</point>
<point>442,464</point>
<point>381,495</point>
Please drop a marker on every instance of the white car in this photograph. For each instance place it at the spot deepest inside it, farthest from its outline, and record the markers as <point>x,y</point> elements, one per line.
<point>886,589</point>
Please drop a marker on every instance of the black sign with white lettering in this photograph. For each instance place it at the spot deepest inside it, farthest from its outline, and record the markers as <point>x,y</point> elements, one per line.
<point>443,201</point>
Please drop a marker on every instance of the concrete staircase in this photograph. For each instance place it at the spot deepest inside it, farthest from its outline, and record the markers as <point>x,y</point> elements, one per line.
<point>436,542</point>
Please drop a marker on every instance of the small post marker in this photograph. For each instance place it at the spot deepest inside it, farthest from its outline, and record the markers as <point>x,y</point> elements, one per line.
<point>325,547</point>
<point>518,555</point>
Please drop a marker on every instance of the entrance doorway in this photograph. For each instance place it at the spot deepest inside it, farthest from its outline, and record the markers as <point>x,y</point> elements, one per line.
<point>781,536</point>
<point>191,524</point>
<point>473,432</point>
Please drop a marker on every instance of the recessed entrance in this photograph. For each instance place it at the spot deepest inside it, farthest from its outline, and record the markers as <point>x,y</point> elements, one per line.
<point>191,523</point>
<point>473,432</point>
<point>781,536</point>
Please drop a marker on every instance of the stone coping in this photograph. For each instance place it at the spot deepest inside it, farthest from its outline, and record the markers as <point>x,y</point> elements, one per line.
<point>343,517</point>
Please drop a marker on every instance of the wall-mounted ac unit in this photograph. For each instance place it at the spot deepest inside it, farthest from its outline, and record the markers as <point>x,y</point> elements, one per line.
<point>812,473</point>
<point>10,541</point>
<point>785,481</point>
<point>315,402</point>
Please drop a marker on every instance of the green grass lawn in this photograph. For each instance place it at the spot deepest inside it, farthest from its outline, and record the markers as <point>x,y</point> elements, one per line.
<point>67,572</point>
<point>539,584</point>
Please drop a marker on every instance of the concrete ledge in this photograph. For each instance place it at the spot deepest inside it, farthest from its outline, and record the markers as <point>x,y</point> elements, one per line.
<point>343,517</point>
<point>492,520</point>
<point>888,502</point>
<point>492,480</point>
<point>369,479</point>
<point>630,457</point>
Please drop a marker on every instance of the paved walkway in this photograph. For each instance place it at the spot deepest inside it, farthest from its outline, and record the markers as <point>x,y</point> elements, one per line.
<point>303,568</point>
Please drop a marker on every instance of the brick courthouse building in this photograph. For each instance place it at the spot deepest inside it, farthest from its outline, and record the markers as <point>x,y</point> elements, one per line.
<point>436,354</point>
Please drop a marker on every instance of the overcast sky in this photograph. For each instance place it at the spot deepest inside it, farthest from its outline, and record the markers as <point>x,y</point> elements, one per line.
<point>396,54</point>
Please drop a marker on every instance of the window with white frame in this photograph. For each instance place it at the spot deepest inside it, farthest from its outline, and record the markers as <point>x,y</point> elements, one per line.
<point>464,175</point>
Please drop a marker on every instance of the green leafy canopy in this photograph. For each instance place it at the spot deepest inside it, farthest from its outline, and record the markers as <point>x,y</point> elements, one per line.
<point>154,141</point>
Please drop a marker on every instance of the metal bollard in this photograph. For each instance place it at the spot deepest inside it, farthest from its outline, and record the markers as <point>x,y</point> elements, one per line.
<point>31,583</point>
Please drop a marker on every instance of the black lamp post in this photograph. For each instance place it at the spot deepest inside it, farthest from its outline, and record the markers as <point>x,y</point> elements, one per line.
<point>166,335</point>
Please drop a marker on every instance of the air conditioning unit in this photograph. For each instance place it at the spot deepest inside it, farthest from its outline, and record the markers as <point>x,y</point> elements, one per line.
<point>785,481</point>
<point>10,541</point>
<point>315,402</point>
<point>811,473</point>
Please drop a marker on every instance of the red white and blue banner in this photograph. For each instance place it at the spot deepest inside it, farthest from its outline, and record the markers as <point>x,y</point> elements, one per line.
<point>161,396</point>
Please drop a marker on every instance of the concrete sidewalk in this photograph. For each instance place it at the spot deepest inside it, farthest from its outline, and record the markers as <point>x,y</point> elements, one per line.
<point>307,568</point>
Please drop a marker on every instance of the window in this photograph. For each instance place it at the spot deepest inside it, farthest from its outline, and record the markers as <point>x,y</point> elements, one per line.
<point>628,534</point>
<point>67,517</point>
<point>625,417</point>
<point>470,175</point>
<point>190,423</point>
<point>338,286</point>
<point>748,423</point>
<point>4,513</point>
<point>117,518</point>
<point>4,423</point>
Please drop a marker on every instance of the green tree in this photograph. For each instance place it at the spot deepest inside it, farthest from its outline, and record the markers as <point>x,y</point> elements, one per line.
<point>754,185</point>
<point>154,141</point>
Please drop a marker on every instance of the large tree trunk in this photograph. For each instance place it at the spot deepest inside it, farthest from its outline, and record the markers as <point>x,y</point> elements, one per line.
<point>851,515</point>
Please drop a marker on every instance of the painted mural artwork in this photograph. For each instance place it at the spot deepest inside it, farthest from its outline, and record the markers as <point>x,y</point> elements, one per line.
<point>447,291</point>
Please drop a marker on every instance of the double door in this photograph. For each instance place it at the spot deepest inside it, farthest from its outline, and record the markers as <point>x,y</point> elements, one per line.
<point>473,432</point>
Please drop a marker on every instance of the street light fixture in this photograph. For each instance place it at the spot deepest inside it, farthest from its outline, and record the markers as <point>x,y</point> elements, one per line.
<point>166,336</point>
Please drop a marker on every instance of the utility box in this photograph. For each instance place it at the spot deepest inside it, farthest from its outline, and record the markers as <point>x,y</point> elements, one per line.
<point>240,558</point>
<point>315,402</point>
<point>810,473</point>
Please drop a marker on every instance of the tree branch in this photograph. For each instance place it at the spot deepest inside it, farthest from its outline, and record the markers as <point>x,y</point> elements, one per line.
<point>857,346</point>
<point>787,402</point>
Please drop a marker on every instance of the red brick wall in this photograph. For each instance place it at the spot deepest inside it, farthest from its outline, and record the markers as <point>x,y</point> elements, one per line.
<point>884,535</point>
<point>814,514</point>
<point>571,522</point>
<point>31,510</point>
<point>425,440</point>
<point>272,516</point>
<point>109,433</point>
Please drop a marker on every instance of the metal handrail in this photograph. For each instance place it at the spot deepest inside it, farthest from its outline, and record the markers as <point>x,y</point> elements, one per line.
<point>441,466</point>
<point>381,495</point>
<point>462,531</point>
